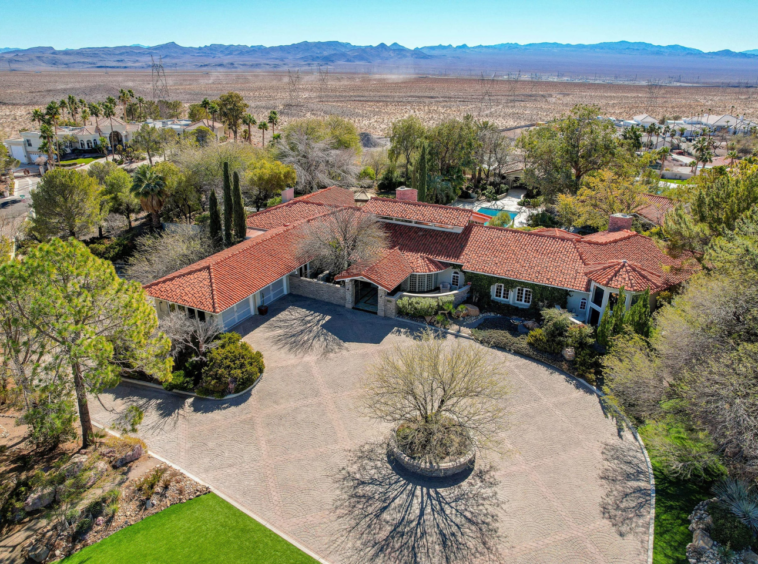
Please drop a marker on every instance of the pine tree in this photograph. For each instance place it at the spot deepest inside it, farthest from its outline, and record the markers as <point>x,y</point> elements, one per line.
<point>421,173</point>
<point>228,207</point>
<point>240,218</point>
<point>215,221</point>
<point>612,323</point>
<point>638,316</point>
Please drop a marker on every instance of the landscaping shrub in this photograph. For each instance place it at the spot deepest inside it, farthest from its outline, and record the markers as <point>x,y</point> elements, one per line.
<point>150,481</point>
<point>727,529</point>
<point>180,382</point>
<point>422,307</point>
<point>232,367</point>
<point>51,418</point>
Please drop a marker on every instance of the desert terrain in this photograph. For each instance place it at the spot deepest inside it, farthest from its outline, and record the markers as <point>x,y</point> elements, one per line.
<point>374,101</point>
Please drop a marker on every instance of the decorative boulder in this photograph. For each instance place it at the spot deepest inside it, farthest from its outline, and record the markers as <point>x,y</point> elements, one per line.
<point>471,310</point>
<point>134,454</point>
<point>569,353</point>
<point>75,465</point>
<point>531,325</point>
<point>39,552</point>
<point>96,472</point>
<point>702,540</point>
<point>749,557</point>
<point>39,498</point>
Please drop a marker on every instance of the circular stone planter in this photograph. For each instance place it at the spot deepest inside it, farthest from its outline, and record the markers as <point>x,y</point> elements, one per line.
<point>450,468</point>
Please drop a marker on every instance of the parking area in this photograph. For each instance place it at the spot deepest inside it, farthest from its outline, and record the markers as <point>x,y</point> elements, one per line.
<point>567,486</point>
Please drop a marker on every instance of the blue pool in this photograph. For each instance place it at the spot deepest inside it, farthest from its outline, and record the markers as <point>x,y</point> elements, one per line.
<point>494,212</point>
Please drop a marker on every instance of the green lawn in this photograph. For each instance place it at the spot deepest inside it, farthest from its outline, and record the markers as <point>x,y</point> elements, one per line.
<point>205,529</point>
<point>674,501</point>
<point>74,162</point>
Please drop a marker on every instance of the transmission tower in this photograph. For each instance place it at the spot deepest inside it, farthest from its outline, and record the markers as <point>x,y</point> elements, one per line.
<point>323,82</point>
<point>160,84</point>
<point>654,90</point>
<point>486,85</point>
<point>293,83</point>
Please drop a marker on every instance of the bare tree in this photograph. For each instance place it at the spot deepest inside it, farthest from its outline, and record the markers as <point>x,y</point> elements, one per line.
<point>190,335</point>
<point>166,252</point>
<point>316,163</point>
<point>345,237</point>
<point>438,394</point>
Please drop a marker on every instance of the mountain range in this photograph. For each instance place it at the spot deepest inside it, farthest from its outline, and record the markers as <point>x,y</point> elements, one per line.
<point>621,59</point>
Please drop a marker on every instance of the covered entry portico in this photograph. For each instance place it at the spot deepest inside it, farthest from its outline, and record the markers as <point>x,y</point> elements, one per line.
<point>366,296</point>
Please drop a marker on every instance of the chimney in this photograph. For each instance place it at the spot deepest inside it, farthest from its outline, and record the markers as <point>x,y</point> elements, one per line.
<point>405,194</point>
<point>619,221</point>
<point>287,195</point>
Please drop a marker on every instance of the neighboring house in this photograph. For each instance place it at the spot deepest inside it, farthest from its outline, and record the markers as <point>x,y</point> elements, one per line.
<point>728,122</point>
<point>656,209</point>
<point>644,120</point>
<point>25,146</point>
<point>432,249</point>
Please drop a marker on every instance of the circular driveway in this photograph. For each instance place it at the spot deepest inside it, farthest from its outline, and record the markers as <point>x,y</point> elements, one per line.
<point>569,485</point>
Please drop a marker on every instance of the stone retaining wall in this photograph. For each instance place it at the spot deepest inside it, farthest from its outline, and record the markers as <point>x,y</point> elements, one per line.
<point>323,291</point>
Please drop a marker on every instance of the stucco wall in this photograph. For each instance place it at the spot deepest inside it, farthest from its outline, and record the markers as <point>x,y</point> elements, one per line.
<point>572,304</point>
<point>331,293</point>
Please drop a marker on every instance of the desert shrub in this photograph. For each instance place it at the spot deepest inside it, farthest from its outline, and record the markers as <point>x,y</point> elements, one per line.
<point>587,365</point>
<point>147,484</point>
<point>543,219</point>
<point>727,529</point>
<point>538,339</point>
<point>180,382</point>
<point>422,307</point>
<point>51,418</point>
<point>530,202</point>
<point>232,367</point>
<point>83,526</point>
<point>559,332</point>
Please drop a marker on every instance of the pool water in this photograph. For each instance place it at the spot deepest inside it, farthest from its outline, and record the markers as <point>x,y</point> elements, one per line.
<point>493,212</point>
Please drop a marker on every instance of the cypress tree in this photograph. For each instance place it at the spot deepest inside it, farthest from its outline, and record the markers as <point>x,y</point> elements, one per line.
<point>228,207</point>
<point>421,173</point>
<point>215,222</point>
<point>239,219</point>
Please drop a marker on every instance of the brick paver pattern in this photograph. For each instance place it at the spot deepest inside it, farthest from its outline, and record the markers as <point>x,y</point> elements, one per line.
<point>571,486</point>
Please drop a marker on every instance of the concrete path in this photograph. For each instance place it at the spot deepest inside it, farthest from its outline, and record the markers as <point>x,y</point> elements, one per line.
<point>296,451</point>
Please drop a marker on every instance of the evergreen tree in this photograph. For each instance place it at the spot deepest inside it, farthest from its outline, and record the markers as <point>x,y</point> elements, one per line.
<point>613,321</point>
<point>228,207</point>
<point>638,317</point>
<point>215,221</point>
<point>239,219</point>
<point>421,172</point>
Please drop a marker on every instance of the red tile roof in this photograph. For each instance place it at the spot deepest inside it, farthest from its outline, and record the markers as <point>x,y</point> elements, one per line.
<point>631,276</point>
<point>418,211</point>
<point>656,208</point>
<point>228,277</point>
<point>333,196</point>
<point>283,214</point>
<point>388,271</point>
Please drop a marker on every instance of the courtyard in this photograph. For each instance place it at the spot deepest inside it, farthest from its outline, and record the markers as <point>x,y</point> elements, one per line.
<point>568,485</point>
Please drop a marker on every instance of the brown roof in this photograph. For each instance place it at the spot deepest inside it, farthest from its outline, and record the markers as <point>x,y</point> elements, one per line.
<point>388,271</point>
<point>656,208</point>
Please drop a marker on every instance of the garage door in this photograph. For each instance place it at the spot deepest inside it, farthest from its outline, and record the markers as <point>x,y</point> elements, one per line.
<point>273,292</point>
<point>236,313</point>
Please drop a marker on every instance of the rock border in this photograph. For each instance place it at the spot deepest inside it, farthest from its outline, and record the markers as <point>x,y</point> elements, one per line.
<point>429,469</point>
<point>703,549</point>
<point>190,394</point>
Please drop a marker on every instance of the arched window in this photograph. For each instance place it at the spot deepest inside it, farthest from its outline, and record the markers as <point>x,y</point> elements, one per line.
<point>455,279</point>
<point>583,304</point>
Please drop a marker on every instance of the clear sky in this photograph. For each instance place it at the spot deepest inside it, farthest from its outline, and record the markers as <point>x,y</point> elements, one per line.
<point>703,24</point>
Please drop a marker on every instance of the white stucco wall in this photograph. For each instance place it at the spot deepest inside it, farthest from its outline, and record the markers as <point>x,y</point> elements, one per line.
<point>572,304</point>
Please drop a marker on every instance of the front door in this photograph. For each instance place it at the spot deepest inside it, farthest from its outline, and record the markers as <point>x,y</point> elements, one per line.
<point>366,296</point>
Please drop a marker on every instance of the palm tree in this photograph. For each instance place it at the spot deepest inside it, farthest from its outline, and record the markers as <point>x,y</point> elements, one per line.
<point>141,103</point>
<point>150,188</point>
<point>109,110</point>
<point>53,113</point>
<point>72,105</point>
<point>649,131</point>
<point>47,133</point>
<point>663,152</point>
<point>273,119</point>
<point>732,156</point>
<point>205,104</point>
<point>249,121</point>
<point>123,98</point>
<point>63,105</point>
<point>703,151</point>
<point>263,126</point>
<point>38,116</point>
<point>666,132</point>
<point>213,109</point>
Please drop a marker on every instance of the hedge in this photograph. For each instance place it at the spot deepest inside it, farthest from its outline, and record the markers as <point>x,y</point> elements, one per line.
<point>422,307</point>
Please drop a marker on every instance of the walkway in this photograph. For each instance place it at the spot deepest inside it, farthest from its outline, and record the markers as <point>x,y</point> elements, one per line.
<point>568,488</point>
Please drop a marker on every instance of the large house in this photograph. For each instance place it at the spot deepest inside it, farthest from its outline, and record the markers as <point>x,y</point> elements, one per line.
<point>26,145</point>
<point>433,250</point>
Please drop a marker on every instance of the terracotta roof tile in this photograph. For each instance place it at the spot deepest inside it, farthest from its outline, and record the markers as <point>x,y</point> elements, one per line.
<point>417,211</point>
<point>388,271</point>
<point>631,276</point>
<point>285,214</point>
<point>656,208</point>
<point>334,196</point>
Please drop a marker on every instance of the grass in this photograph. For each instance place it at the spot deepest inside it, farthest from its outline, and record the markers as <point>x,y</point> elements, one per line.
<point>674,501</point>
<point>205,529</point>
<point>74,162</point>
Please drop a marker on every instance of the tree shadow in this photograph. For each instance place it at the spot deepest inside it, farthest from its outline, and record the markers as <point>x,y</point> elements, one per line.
<point>304,331</point>
<point>624,476</point>
<point>387,514</point>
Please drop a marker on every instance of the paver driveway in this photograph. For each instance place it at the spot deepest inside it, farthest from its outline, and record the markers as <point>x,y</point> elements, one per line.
<point>569,487</point>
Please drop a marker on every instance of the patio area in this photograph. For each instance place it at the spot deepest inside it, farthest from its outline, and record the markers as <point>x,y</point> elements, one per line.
<point>567,487</point>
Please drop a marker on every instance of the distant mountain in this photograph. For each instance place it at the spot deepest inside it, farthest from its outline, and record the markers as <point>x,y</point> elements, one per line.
<point>5,49</point>
<point>621,59</point>
<point>751,52</point>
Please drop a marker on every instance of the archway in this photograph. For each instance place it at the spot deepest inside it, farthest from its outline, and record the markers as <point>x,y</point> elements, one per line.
<point>116,139</point>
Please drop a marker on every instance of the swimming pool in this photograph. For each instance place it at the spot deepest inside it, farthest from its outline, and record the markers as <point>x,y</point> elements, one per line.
<point>493,212</point>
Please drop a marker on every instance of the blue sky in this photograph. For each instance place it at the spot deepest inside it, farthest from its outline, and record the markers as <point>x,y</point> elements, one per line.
<point>729,24</point>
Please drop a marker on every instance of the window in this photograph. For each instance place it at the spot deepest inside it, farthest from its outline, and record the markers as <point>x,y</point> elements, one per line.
<point>422,282</point>
<point>81,144</point>
<point>597,297</point>
<point>89,144</point>
<point>583,304</point>
<point>455,279</point>
<point>523,296</point>
<point>28,142</point>
<point>499,292</point>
